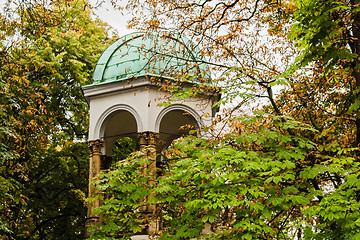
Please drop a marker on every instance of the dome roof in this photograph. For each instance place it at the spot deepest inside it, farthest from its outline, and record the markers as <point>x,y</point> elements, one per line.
<point>140,54</point>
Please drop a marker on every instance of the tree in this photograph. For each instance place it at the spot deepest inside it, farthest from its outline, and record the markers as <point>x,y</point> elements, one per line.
<point>289,171</point>
<point>48,50</point>
<point>330,44</point>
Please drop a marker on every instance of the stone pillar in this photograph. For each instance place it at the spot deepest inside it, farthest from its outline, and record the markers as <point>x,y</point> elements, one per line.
<point>94,169</point>
<point>149,141</point>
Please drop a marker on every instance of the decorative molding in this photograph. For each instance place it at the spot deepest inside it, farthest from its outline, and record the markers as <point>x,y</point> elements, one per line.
<point>99,130</point>
<point>148,138</point>
<point>108,88</point>
<point>95,146</point>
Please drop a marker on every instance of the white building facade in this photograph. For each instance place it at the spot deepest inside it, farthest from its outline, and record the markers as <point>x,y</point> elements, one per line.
<point>130,82</point>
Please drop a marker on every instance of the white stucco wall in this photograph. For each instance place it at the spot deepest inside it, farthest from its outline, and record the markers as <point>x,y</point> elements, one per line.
<point>142,100</point>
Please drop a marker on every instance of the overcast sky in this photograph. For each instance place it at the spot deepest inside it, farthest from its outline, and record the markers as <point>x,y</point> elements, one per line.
<point>114,18</point>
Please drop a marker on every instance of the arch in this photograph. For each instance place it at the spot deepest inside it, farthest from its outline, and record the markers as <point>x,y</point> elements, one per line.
<point>101,123</point>
<point>170,121</point>
<point>181,107</point>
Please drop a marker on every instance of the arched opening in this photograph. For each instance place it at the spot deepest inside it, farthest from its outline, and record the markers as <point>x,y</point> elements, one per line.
<point>119,132</point>
<point>174,124</point>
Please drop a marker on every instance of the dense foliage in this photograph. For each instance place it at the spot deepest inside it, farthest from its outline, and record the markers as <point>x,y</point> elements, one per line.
<point>265,180</point>
<point>123,147</point>
<point>290,171</point>
<point>47,51</point>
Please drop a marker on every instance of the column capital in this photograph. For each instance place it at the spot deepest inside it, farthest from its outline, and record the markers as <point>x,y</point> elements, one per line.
<point>95,145</point>
<point>148,138</point>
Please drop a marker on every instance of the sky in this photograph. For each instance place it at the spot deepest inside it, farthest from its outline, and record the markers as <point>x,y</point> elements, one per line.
<point>114,18</point>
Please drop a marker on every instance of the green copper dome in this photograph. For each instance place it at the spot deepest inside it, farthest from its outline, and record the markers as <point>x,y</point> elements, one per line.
<point>140,54</point>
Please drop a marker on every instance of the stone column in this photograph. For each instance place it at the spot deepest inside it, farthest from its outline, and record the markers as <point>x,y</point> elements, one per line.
<point>149,141</point>
<point>94,169</point>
